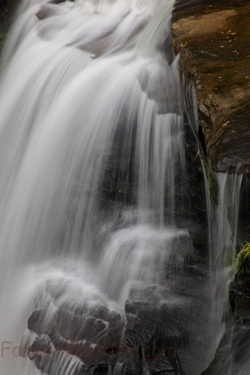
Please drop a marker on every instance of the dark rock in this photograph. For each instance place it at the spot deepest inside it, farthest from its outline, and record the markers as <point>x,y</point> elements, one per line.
<point>232,355</point>
<point>156,333</point>
<point>160,364</point>
<point>7,10</point>
<point>196,270</point>
<point>100,340</point>
<point>240,302</point>
<point>222,362</point>
<point>38,323</point>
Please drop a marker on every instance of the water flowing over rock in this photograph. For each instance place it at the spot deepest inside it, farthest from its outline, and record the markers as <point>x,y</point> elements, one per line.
<point>109,261</point>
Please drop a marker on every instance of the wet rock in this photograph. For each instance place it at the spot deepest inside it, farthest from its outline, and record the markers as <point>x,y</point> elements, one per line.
<point>155,332</point>
<point>197,270</point>
<point>240,297</point>
<point>213,43</point>
<point>222,362</point>
<point>100,340</point>
<point>232,355</point>
<point>38,323</point>
<point>7,9</point>
<point>240,301</point>
<point>160,365</point>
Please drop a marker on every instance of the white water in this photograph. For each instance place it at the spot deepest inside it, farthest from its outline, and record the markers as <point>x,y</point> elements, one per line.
<point>73,73</point>
<point>78,81</point>
<point>223,235</point>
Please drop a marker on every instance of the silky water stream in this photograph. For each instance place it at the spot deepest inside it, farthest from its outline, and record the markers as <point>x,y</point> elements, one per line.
<point>93,176</point>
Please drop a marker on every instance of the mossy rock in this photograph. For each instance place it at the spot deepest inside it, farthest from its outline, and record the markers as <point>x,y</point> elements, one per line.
<point>211,180</point>
<point>241,257</point>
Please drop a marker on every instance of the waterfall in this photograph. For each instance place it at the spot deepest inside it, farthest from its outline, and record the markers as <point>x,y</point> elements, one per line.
<point>93,165</point>
<point>224,240</point>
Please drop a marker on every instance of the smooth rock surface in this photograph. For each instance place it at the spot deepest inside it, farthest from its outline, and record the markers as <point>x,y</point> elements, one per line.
<point>213,44</point>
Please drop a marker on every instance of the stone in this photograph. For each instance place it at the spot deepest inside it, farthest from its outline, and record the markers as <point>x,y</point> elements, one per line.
<point>213,44</point>
<point>101,339</point>
<point>232,354</point>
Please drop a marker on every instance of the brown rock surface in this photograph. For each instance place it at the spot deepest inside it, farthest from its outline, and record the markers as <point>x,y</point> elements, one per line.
<point>214,43</point>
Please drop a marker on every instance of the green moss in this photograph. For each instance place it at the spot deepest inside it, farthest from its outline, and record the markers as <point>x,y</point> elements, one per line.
<point>241,256</point>
<point>231,262</point>
<point>236,262</point>
<point>211,179</point>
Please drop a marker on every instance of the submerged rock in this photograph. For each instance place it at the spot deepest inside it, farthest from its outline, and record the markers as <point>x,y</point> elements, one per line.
<point>213,44</point>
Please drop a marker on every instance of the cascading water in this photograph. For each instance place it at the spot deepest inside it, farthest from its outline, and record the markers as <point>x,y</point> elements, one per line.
<point>224,236</point>
<point>92,174</point>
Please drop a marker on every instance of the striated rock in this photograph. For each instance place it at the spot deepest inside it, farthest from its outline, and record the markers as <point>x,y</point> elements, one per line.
<point>213,44</point>
<point>95,339</point>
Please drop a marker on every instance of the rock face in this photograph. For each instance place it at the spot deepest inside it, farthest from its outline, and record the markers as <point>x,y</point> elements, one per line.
<point>156,331</point>
<point>240,302</point>
<point>232,354</point>
<point>101,340</point>
<point>213,44</point>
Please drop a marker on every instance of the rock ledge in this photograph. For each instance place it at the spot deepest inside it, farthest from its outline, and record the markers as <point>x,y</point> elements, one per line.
<point>214,56</point>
